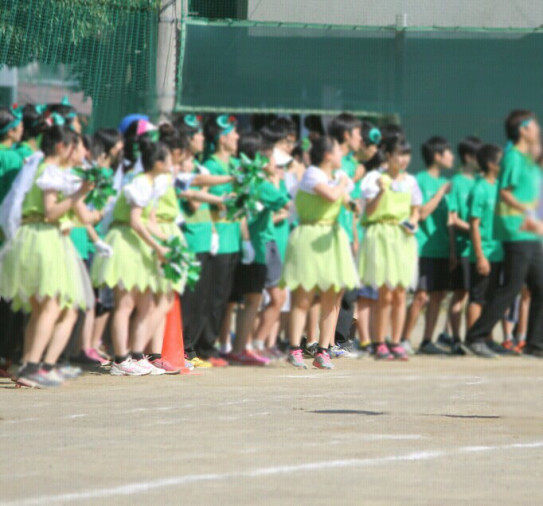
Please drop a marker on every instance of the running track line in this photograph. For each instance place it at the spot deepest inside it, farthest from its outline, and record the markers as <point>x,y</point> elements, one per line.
<point>138,487</point>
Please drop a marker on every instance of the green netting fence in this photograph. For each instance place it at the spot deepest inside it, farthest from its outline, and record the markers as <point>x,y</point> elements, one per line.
<point>105,50</point>
<point>452,82</point>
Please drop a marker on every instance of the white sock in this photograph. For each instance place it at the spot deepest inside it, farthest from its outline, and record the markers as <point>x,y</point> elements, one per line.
<point>226,348</point>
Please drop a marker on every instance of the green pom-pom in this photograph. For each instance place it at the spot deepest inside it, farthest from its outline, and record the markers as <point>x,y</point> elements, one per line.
<point>181,262</point>
<point>102,178</point>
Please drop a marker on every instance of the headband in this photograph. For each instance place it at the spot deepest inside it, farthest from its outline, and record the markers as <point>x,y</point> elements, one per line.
<point>17,113</point>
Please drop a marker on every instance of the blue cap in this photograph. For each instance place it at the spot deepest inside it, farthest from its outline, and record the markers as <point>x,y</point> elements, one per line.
<point>128,120</point>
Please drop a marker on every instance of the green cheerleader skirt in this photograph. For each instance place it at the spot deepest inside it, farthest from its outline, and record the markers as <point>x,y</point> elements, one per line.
<point>132,266</point>
<point>41,262</point>
<point>319,257</point>
<point>388,256</point>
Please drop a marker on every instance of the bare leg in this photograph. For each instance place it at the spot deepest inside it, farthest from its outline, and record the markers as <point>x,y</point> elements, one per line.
<point>330,304</point>
<point>301,302</point>
<point>312,324</point>
<point>398,315</point>
<point>48,314</point>
<point>226,325</point>
<point>474,312</point>
<point>419,301</point>
<point>432,314</point>
<point>30,331</point>
<point>86,331</point>
<point>270,316</point>
<point>363,308</point>
<point>124,305</point>
<point>100,323</point>
<point>384,303</point>
<point>245,321</point>
<point>456,308</point>
<point>163,307</point>
<point>61,336</point>
<point>140,322</point>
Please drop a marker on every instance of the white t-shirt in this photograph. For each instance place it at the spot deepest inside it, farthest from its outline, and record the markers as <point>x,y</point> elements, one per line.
<point>408,184</point>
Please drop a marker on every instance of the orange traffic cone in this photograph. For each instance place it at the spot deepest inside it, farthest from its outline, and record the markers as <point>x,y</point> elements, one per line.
<point>172,346</point>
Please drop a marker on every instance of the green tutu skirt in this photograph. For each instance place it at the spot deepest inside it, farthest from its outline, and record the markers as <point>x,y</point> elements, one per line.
<point>132,266</point>
<point>41,262</point>
<point>388,256</point>
<point>164,285</point>
<point>319,256</point>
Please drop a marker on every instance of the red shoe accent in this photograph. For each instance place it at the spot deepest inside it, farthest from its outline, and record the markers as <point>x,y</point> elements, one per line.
<point>218,362</point>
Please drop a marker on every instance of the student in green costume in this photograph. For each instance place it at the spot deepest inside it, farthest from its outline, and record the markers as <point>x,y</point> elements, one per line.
<point>319,256</point>
<point>486,253</point>
<point>519,188</point>
<point>222,138</point>
<point>39,267</point>
<point>433,240</point>
<point>459,239</point>
<point>265,270</point>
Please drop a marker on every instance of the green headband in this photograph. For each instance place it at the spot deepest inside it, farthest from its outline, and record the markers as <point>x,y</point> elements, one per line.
<point>17,112</point>
<point>226,123</point>
<point>193,121</point>
<point>375,136</point>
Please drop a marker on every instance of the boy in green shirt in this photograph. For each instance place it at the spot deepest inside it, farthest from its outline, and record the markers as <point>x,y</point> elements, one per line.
<point>461,186</point>
<point>519,186</point>
<point>433,239</point>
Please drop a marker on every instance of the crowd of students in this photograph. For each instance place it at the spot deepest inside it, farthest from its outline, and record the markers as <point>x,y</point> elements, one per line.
<point>339,234</point>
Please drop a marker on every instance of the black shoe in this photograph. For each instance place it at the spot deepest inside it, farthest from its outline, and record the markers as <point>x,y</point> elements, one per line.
<point>309,351</point>
<point>445,340</point>
<point>460,349</point>
<point>430,348</point>
<point>481,350</point>
<point>533,352</point>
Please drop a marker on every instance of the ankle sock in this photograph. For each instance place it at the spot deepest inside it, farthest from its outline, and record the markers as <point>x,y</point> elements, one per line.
<point>154,356</point>
<point>47,367</point>
<point>137,356</point>
<point>30,368</point>
<point>120,358</point>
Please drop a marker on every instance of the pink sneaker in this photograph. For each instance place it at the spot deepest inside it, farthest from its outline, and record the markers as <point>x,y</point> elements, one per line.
<point>127,368</point>
<point>247,357</point>
<point>164,364</point>
<point>322,361</point>
<point>94,355</point>
<point>398,352</point>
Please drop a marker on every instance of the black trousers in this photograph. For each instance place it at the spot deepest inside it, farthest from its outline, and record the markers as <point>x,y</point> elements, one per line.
<point>195,306</point>
<point>223,267</point>
<point>523,263</point>
<point>345,318</point>
<point>12,328</point>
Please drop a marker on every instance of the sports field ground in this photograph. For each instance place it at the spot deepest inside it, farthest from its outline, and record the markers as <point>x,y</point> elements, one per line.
<point>430,431</point>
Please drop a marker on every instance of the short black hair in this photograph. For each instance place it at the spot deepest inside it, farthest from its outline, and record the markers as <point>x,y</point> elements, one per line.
<point>54,135</point>
<point>342,124</point>
<point>376,161</point>
<point>514,121</point>
<point>468,146</point>
<point>250,143</point>
<point>33,121</point>
<point>393,144</point>
<point>274,132</point>
<point>319,148</point>
<point>152,152</point>
<point>488,153</point>
<point>6,117</point>
<point>287,124</point>
<point>434,146</point>
<point>392,130</point>
<point>104,140</point>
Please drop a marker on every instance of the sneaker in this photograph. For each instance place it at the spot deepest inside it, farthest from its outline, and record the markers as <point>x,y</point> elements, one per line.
<point>382,352</point>
<point>520,347</point>
<point>445,339</point>
<point>430,348</point>
<point>96,355</point>
<point>508,344</point>
<point>406,345</point>
<point>364,350</point>
<point>398,352</point>
<point>247,357</point>
<point>277,353</point>
<point>69,372</point>
<point>322,361</point>
<point>218,362</point>
<point>460,349</point>
<point>295,358</point>
<point>309,350</point>
<point>337,351</point>
<point>165,366</point>
<point>38,379</point>
<point>481,350</point>
<point>198,363</point>
<point>498,349</point>
<point>84,358</point>
<point>350,350</point>
<point>128,368</point>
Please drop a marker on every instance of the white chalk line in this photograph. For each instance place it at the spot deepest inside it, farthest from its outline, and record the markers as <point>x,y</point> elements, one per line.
<point>135,488</point>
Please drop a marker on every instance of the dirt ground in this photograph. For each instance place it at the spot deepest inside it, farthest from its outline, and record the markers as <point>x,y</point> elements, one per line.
<point>430,431</point>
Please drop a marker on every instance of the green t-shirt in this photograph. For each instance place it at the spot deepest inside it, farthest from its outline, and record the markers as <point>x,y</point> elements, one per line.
<point>282,228</point>
<point>24,150</point>
<point>10,165</point>
<point>261,227</point>
<point>197,226</point>
<point>523,177</point>
<point>229,231</point>
<point>349,165</point>
<point>433,233</point>
<point>461,186</point>
<point>482,205</point>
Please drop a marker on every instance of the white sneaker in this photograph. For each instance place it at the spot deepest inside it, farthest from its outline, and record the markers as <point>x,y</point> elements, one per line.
<point>144,365</point>
<point>127,368</point>
<point>156,371</point>
<point>189,365</point>
<point>70,372</point>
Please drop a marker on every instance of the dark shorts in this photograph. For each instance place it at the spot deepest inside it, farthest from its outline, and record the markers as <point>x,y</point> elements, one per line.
<point>434,275</point>
<point>368,292</point>
<point>460,277</point>
<point>482,287</point>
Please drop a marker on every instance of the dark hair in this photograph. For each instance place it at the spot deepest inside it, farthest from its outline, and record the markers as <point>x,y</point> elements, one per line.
<point>368,131</point>
<point>182,128</point>
<point>432,147</point>
<point>513,123</point>
<point>320,147</point>
<point>55,134</point>
<point>104,140</point>
<point>6,117</point>
<point>313,123</point>
<point>132,141</point>
<point>376,161</point>
<point>151,153</point>
<point>486,154</point>
<point>393,144</point>
<point>287,124</point>
<point>468,146</point>
<point>176,142</point>
<point>342,124</point>
<point>392,130</point>
<point>33,122</point>
<point>274,132</point>
<point>250,143</point>
<point>212,130</point>
<point>166,130</point>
